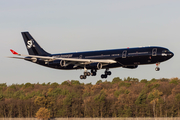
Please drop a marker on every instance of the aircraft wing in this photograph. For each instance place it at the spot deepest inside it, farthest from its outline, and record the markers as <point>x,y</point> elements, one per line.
<point>21,58</point>
<point>48,58</point>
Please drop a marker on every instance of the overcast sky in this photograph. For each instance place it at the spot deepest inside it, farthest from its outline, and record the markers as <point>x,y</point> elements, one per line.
<point>61,26</point>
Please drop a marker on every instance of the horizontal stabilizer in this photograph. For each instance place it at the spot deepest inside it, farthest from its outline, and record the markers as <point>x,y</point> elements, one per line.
<point>14,52</point>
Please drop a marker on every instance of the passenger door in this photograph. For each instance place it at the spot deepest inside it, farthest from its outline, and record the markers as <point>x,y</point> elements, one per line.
<point>124,53</point>
<point>154,51</point>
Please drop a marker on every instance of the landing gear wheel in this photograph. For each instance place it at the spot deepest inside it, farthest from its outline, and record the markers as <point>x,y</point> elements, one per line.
<point>93,74</point>
<point>103,76</point>
<point>157,68</point>
<point>107,72</point>
<point>87,73</point>
<point>92,70</point>
<point>81,76</point>
<point>84,77</point>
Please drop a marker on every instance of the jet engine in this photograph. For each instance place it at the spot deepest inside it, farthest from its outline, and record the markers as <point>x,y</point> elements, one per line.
<point>96,65</point>
<point>62,63</point>
<point>34,60</point>
<point>54,63</point>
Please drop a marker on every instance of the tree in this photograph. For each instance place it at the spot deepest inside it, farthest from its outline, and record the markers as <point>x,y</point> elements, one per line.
<point>100,103</point>
<point>65,83</point>
<point>43,113</point>
<point>174,81</point>
<point>144,81</point>
<point>75,82</point>
<point>129,98</point>
<point>127,111</point>
<point>142,98</point>
<point>98,82</point>
<point>141,104</point>
<point>54,84</point>
<point>154,97</point>
<point>41,101</point>
<point>177,97</point>
<point>116,80</point>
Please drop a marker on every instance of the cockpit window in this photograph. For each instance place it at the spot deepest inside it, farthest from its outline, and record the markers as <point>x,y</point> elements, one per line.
<point>165,51</point>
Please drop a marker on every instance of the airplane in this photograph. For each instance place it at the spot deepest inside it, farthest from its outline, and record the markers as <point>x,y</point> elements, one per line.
<point>94,60</point>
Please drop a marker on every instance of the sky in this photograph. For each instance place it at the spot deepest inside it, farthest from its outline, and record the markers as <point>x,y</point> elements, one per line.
<point>62,26</point>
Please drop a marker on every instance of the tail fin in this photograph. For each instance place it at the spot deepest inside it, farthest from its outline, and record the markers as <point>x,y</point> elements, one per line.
<point>32,46</point>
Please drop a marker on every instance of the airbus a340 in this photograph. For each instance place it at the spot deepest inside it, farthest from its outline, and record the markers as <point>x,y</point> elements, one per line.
<point>94,60</point>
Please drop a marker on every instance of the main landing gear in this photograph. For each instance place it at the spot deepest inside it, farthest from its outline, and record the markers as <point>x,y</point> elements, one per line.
<point>86,73</point>
<point>157,67</point>
<point>106,73</point>
<point>93,73</point>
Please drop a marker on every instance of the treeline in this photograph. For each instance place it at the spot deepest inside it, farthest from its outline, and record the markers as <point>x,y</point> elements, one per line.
<point>120,98</point>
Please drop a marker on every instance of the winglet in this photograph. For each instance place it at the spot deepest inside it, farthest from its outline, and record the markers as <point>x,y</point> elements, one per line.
<point>15,53</point>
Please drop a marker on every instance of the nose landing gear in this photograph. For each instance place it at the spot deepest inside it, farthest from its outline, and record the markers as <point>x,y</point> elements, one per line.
<point>157,67</point>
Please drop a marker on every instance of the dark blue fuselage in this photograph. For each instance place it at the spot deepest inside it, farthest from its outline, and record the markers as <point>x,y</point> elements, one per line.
<point>128,58</point>
<point>95,60</point>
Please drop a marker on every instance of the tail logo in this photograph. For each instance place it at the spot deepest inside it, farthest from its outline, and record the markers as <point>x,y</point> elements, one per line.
<point>29,44</point>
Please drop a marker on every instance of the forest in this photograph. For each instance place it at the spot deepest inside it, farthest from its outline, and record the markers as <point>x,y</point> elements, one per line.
<point>128,97</point>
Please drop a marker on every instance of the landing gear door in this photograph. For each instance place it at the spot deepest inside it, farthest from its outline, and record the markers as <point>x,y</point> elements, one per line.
<point>154,51</point>
<point>124,53</point>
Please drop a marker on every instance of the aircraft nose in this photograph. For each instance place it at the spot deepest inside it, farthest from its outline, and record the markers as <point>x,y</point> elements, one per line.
<point>170,54</point>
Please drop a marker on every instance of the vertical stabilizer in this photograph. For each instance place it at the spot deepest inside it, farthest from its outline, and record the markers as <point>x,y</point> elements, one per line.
<point>32,46</point>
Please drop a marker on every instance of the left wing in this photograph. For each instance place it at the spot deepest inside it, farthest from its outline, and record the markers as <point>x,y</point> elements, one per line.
<point>75,60</point>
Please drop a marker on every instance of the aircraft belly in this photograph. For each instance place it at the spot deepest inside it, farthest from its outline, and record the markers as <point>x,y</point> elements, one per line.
<point>135,60</point>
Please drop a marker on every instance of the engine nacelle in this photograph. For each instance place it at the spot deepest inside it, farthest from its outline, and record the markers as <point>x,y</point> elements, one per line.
<point>34,60</point>
<point>55,62</point>
<point>96,65</point>
<point>131,67</point>
<point>62,63</point>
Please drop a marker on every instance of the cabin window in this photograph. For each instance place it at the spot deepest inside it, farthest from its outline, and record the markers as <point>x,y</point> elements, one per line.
<point>165,51</point>
<point>80,57</point>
